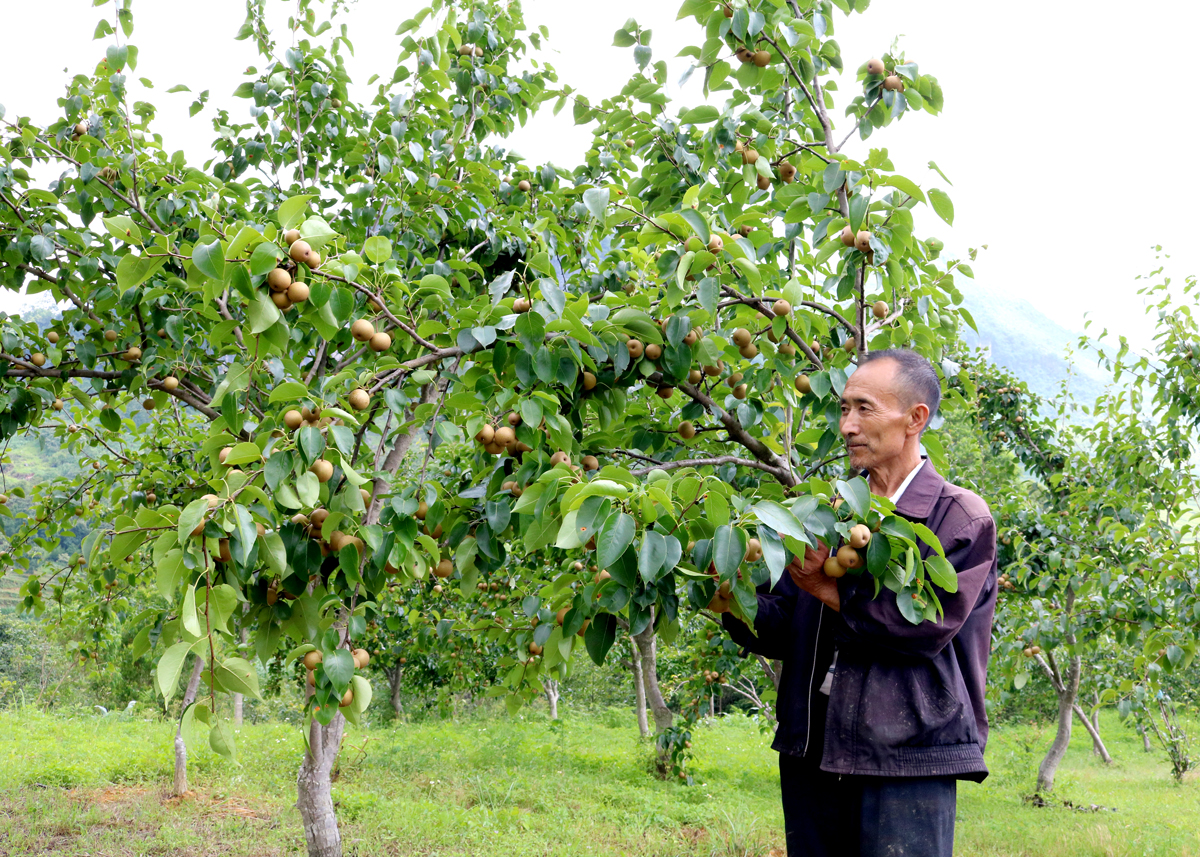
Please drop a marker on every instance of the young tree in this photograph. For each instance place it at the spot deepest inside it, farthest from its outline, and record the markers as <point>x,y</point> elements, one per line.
<point>647,349</point>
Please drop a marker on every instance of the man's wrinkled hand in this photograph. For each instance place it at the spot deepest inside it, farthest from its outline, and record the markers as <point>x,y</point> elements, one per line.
<point>809,575</point>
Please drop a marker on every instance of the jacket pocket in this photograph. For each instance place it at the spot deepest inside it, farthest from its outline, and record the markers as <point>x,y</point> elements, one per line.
<point>912,702</point>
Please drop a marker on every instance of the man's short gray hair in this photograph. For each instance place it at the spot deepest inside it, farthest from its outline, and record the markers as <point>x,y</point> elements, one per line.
<point>917,378</point>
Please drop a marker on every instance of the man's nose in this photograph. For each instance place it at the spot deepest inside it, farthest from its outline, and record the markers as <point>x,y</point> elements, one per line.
<point>848,425</point>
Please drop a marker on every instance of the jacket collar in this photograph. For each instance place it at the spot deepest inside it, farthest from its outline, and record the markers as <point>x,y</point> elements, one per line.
<point>917,501</point>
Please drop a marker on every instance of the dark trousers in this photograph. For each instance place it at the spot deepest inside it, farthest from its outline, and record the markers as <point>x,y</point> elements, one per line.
<point>827,815</point>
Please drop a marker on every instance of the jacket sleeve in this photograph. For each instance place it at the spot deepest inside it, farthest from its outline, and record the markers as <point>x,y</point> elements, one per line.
<point>773,622</point>
<point>877,620</point>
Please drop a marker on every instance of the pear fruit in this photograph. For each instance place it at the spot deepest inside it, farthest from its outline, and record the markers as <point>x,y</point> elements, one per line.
<point>880,309</point>
<point>278,280</point>
<point>299,251</point>
<point>381,341</point>
<point>362,330</point>
<point>875,66</point>
<point>687,431</point>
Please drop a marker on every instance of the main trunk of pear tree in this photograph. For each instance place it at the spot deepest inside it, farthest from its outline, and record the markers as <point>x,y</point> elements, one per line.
<point>394,675</point>
<point>180,786</point>
<point>314,797</point>
<point>639,691</point>
<point>647,644</point>
<point>551,686</point>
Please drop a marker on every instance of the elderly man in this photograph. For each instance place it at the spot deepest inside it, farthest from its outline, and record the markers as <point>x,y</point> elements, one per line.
<point>879,718</point>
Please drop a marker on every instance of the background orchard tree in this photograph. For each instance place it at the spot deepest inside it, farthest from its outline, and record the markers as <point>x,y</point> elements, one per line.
<point>647,350</point>
<point>1097,552</point>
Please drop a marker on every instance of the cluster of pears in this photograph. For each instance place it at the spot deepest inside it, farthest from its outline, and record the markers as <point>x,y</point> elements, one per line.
<point>315,520</point>
<point>496,440</point>
<point>363,331</point>
<point>760,58</point>
<point>892,82</point>
<point>285,292</point>
<point>1005,582</point>
<point>714,677</point>
<point>1030,651</point>
<point>470,51</point>
<point>314,659</point>
<point>847,556</point>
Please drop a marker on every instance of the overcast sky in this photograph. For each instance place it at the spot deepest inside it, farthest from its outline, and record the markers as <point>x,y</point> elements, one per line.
<point>1066,130</point>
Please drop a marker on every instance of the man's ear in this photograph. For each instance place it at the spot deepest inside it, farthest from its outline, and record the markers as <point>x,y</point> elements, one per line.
<point>918,418</point>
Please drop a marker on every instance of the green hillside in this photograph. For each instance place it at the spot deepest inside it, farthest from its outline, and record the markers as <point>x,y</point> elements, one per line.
<point>1027,342</point>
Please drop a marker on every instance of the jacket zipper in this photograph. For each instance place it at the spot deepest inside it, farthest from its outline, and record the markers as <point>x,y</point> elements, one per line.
<point>811,676</point>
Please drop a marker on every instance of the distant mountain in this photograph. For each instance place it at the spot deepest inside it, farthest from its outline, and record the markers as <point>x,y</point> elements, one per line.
<point>1027,342</point>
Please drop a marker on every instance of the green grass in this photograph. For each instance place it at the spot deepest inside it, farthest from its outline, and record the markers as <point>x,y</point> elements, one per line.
<point>98,787</point>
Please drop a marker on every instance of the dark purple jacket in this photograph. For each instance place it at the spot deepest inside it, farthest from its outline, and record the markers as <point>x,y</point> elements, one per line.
<point>907,700</point>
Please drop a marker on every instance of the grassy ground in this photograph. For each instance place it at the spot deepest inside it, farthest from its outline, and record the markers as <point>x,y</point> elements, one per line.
<point>496,786</point>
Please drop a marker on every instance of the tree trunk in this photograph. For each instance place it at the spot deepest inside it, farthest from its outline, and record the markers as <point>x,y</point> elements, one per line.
<point>1067,688</point>
<point>180,786</point>
<point>1098,747</point>
<point>647,644</point>
<point>1145,738</point>
<point>394,675</point>
<point>551,686</point>
<point>313,796</point>
<point>639,691</point>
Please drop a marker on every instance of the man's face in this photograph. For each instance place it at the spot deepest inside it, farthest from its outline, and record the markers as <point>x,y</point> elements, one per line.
<point>875,419</point>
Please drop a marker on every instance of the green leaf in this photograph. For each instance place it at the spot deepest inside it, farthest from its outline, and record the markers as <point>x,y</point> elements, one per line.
<point>243,453</point>
<point>169,667</point>
<point>856,494</point>
<point>781,520</point>
<point>220,738</point>
<point>122,227</point>
<point>728,550</point>
<point>612,541</point>
<point>699,224</point>
<point>235,675</point>
<point>926,535</point>
<point>317,232</point>
<point>599,636</point>
<point>264,259</point>
<point>651,556</point>
<point>291,211</point>
<point>904,184</point>
<point>700,115</point>
<point>288,391</point>
<point>339,668</point>
<point>942,205</point>
<point>191,515</point>
<point>133,270</point>
<point>938,170</point>
<point>209,259</point>
<point>187,613</point>
<point>262,313</point>
<point>378,249</point>
<point>595,199</point>
<point>942,573</point>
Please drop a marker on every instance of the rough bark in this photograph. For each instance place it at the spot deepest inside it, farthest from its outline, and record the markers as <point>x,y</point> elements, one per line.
<point>647,643</point>
<point>551,687</point>
<point>394,675</point>
<point>180,786</point>
<point>639,691</point>
<point>1067,688</point>
<point>1145,738</point>
<point>313,783</point>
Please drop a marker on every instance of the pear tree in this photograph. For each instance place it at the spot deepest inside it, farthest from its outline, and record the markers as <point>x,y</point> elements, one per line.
<point>643,352</point>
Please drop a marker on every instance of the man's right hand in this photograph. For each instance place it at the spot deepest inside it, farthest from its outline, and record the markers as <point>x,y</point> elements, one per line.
<point>810,576</point>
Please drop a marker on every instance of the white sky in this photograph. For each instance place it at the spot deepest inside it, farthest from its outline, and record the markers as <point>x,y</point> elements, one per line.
<point>1067,129</point>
